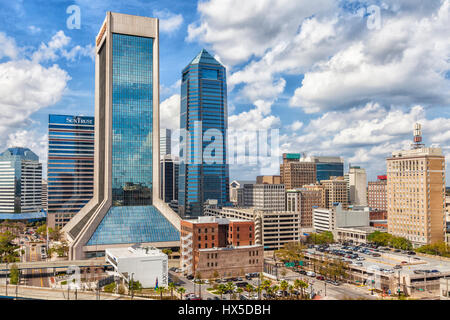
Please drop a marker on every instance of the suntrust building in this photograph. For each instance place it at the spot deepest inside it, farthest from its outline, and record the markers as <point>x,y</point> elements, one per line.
<point>125,208</point>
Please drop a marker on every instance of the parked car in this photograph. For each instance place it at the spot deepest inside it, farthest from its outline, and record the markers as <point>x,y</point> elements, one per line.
<point>320,278</point>
<point>311,274</point>
<point>398,266</point>
<point>360,258</point>
<point>376,255</point>
<point>302,272</point>
<point>404,262</point>
<point>411,253</point>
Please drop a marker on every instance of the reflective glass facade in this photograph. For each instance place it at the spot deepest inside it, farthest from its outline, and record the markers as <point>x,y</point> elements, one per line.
<point>132,106</point>
<point>70,166</point>
<point>20,181</point>
<point>134,224</point>
<point>327,170</point>
<point>204,101</point>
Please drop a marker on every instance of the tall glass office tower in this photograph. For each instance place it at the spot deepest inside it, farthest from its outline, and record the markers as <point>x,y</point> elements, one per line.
<point>204,173</point>
<point>70,166</point>
<point>20,181</point>
<point>126,208</point>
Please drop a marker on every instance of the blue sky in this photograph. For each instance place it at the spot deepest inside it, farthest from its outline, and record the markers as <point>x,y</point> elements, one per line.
<point>340,78</point>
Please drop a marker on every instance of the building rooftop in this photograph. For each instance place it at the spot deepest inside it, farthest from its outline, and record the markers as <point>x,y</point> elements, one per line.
<point>204,57</point>
<point>133,224</point>
<point>24,216</point>
<point>232,248</point>
<point>213,219</point>
<point>417,152</point>
<point>24,153</point>
<point>135,252</point>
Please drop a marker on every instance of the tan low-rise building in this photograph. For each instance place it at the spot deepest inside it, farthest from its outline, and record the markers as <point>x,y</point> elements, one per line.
<point>229,262</point>
<point>272,228</point>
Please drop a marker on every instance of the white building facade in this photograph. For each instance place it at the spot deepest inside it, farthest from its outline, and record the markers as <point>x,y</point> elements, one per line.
<point>147,265</point>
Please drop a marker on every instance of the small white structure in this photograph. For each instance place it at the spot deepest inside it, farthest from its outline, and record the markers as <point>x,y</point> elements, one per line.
<point>144,264</point>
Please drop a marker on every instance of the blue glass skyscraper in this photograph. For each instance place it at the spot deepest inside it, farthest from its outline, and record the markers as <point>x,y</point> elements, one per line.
<point>204,173</point>
<point>125,208</point>
<point>70,166</point>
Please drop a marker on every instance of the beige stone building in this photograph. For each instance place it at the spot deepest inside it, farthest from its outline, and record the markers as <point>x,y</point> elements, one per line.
<point>335,192</point>
<point>272,228</point>
<point>302,201</point>
<point>296,174</point>
<point>268,179</point>
<point>229,262</point>
<point>416,195</point>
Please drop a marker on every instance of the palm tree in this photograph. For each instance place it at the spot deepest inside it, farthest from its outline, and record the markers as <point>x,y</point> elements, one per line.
<point>291,291</point>
<point>249,288</point>
<point>275,288</point>
<point>300,284</point>
<point>181,291</point>
<point>160,290</point>
<point>172,287</point>
<point>221,288</point>
<point>239,291</point>
<point>284,285</point>
<point>230,288</point>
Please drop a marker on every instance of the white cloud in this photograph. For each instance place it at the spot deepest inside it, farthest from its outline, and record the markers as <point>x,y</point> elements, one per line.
<point>296,125</point>
<point>8,47</point>
<point>27,86</point>
<point>78,52</point>
<point>169,113</point>
<point>57,48</point>
<point>403,63</point>
<point>30,139</point>
<point>238,30</point>
<point>34,29</point>
<point>168,21</point>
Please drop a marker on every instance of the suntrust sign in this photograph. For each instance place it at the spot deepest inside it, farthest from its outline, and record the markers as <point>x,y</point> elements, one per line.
<point>79,120</point>
<point>70,120</point>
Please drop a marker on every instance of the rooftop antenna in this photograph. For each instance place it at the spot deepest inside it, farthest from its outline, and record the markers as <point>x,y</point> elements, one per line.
<point>417,137</point>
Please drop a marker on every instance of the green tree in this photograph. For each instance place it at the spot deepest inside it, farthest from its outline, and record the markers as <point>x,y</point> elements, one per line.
<point>181,291</point>
<point>42,230</point>
<point>438,249</point>
<point>14,274</point>
<point>230,288</point>
<point>290,252</point>
<point>239,291</point>
<point>172,287</point>
<point>8,250</point>
<point>160,290</point>
<point>291,291</point>
<point>249,288</point>
<point>284,286</point>
<point>111,288</point>
<point>221,289</point>
<point>302,285</point>
<point>168,252</point>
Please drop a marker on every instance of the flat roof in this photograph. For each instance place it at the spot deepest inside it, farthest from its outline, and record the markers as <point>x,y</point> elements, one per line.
<point>388,260</point>
<point>135,252</point>
<point>255,246</point>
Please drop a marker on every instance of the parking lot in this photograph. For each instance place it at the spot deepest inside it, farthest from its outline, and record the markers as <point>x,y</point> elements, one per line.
<point>386,260</point>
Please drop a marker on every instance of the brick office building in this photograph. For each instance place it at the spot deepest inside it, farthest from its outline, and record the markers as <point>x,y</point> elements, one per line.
<point>377,194</point>
<point>213,246</point>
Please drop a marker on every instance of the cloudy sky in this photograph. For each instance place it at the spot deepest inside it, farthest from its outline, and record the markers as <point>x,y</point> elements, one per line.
<point>338,78</point>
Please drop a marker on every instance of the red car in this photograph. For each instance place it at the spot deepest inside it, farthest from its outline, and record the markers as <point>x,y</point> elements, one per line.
<point>320,278</point>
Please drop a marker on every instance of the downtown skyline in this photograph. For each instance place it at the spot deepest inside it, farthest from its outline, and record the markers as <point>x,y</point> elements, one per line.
<point>333,84</point>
